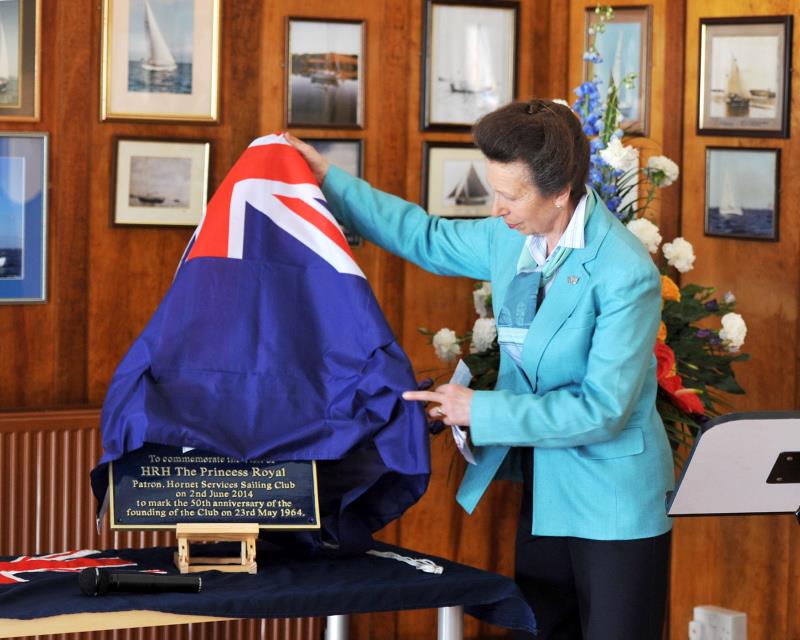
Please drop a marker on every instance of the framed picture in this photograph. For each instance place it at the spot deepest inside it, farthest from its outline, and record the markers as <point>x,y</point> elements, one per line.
<point>625,51</point>
<point>325,73</point>
<point>23,217</point>
<point>160,60</point>
<point>469,62</point>
<point>742,192</point>
<point>346,154</point>
<point>744,75</point>
<point>454,181</point>
<point>20,37</point>
<point>160,182</point>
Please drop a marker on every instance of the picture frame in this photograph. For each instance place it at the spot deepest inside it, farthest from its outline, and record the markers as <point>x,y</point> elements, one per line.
<point>750,213</point>
<point>160,182</point>
<point>744,76</point>
<point>625,47</point>
<point>154,67</point>
<point>23,217</point>
<point>345,153</point>
<point>348,155</point>
<point>325,71</point>
<point>20,73</point>
<point>454,181</point>
<point>469,62</point>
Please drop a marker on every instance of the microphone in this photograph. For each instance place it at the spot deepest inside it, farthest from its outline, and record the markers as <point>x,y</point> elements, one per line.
<point>97,582</point>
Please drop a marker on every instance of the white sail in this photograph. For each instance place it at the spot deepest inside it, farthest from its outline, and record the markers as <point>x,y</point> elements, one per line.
<point>2,261</point>
<point>474,72</point>
<point>727,202</point>
<point>5,66</point>
<point>735,85</point>
<point>616,68</point>
<point>159,58</point>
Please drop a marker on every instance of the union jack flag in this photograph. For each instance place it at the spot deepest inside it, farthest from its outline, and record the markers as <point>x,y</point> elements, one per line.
<point>270,345</point>
<point>66,561</point>
<point>272,179</point>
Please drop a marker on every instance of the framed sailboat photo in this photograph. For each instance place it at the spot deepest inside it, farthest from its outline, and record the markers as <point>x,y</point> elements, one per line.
<point>160,60</point>
<point>454,181</point>
<point>160,182</point>
<point>23,219</point>
<point>325,73</point>
<point>742,187</point>
<point>19,60</point>
<point>744,76</point>
<point>625,53</point>
<point>469,62</point>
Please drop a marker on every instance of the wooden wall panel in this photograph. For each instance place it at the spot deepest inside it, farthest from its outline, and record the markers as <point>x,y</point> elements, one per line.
<point>750,564</point>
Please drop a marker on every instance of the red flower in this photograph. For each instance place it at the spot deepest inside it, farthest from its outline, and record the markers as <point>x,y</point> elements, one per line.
<point>686,400</point>
<point>665,359</point>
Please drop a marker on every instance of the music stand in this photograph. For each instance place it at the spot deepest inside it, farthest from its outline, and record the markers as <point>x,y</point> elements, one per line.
<point>742,464</point>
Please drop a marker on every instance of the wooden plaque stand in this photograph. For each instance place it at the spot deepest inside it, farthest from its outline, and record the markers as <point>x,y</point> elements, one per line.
<point>246,534</point>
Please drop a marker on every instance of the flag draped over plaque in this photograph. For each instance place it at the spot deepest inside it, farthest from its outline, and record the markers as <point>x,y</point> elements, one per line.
<point>270,344</point>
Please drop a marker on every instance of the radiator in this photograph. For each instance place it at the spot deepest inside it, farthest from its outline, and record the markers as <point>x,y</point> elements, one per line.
<point>46,505</point>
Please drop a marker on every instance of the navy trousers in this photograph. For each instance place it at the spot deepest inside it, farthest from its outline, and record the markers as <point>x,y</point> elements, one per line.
<point>582,589</point>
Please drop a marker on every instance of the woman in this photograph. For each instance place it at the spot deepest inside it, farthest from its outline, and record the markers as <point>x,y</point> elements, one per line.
<point>577,302</point>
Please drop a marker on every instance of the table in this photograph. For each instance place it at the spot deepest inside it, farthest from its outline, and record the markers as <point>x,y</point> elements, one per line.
<point>286,586</point>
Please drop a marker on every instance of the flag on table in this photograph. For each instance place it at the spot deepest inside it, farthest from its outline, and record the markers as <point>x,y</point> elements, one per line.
<point>270,344</point>
<point>19,569</point>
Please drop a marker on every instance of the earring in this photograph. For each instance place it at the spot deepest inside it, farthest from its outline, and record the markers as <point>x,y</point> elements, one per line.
<point>558,206</point>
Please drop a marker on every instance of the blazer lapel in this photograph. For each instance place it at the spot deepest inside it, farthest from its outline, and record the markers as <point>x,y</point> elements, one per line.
<point>568,285</point>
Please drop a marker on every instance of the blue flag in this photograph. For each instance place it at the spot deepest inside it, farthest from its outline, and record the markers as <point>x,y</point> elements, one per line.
<point>270,344</point>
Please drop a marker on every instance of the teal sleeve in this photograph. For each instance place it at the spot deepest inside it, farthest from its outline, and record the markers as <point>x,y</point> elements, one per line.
<point>618,362</point>
<point>440,245</point>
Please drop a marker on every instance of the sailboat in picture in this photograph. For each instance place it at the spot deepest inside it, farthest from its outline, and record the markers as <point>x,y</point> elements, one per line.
<point>737,98</point>
<point>159,56</point>
<point>5,66</point>
<point>728,205</point>
<point>470,189</point>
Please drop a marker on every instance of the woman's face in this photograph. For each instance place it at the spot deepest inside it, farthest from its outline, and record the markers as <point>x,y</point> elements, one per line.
<point>520,204</point>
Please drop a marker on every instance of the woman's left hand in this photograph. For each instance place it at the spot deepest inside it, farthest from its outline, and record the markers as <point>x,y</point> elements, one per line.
<point>453,403</point>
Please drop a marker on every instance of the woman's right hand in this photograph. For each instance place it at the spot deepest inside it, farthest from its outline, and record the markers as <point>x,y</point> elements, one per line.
<point>316,161</point>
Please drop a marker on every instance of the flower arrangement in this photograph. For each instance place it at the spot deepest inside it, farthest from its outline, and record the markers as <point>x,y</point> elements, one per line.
<point>694,359</point>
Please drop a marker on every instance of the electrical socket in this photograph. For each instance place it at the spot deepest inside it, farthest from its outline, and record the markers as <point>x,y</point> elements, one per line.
<point>717,623</point>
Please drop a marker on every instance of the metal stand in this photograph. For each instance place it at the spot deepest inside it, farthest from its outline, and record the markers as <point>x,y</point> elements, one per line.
<point>451,623</point>
<point>336,627</point>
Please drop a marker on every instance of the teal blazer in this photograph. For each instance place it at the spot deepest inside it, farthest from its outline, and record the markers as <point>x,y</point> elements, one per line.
<point>584,397</point>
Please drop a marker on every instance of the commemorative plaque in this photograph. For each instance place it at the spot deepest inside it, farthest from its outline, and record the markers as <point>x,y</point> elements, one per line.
<point>160,487</point>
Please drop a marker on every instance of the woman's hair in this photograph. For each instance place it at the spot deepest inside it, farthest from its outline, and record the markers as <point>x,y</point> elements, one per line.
<point>546,136</point>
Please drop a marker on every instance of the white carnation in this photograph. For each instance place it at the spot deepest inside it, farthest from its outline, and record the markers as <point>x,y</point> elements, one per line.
<point>619,156</point>
<point>484,333</point>
<point>647,232</point>
<point>729,298</point>
<point>662,171</point>
<point>733,331</point>
<point>480,297</point>
<point>446,345</point>
<point>679,254</point>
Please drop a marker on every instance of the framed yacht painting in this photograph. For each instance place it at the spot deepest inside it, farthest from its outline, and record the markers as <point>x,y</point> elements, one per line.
<point>160,60</point>
<point>744,76</point>
<point>624,54</point>
<point>160,182</point>
<point>469,63</point>
<point>20,31</point>
<point>325,73</point>
<point>23,217</point>
<point>454,181</point>
<point>742,187</point>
